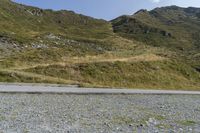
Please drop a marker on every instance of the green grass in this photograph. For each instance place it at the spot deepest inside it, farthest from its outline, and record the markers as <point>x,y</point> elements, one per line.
<point>187,123</point>
<point>2,118</point>
<point>122,120</point>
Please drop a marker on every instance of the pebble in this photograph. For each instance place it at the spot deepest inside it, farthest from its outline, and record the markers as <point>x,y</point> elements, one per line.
<point>99,113</point>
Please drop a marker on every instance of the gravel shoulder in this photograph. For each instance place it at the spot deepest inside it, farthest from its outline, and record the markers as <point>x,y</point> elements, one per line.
<point>70,113</point>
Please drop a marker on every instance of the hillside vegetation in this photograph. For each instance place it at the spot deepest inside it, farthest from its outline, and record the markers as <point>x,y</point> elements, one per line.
<point>156,49</point>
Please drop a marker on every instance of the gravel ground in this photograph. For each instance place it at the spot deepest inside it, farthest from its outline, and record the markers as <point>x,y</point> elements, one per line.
<point>54,113</point>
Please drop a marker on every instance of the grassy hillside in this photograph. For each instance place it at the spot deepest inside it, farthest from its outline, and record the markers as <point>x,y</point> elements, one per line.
<point>142,74</point>
<point>29,23</point>
<point>174,28</point>
<point>171,27</point>
<point>145,50</point>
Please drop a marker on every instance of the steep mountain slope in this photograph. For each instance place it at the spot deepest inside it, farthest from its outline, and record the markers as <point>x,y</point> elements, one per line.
<point>175,28</point>
<point>172,26</point>
<point>34,33</point>
<point>30,22</point>
<point>49,46</point>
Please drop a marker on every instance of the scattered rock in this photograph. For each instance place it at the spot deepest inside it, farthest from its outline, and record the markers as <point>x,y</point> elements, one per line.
<point>87,113</point>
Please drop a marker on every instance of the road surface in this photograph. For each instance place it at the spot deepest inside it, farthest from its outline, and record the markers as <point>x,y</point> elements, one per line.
<point>28,88</point>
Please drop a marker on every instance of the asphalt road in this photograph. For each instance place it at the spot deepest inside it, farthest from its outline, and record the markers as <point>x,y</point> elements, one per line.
<point>29,88</point>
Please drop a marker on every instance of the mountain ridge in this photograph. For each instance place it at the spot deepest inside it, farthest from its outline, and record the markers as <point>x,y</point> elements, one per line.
<point>159,20</point>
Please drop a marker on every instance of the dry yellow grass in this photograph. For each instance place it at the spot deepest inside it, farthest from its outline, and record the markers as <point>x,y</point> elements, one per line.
<point>77,60</point>
<point>96,59</point>
<point>92,59</point>
<point>41,77</point>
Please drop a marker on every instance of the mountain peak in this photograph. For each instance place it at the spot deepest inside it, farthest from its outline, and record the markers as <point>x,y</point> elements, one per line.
<point>141,11</point>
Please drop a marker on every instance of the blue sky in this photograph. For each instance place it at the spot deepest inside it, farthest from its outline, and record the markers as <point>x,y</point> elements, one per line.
<point>106,9</point>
